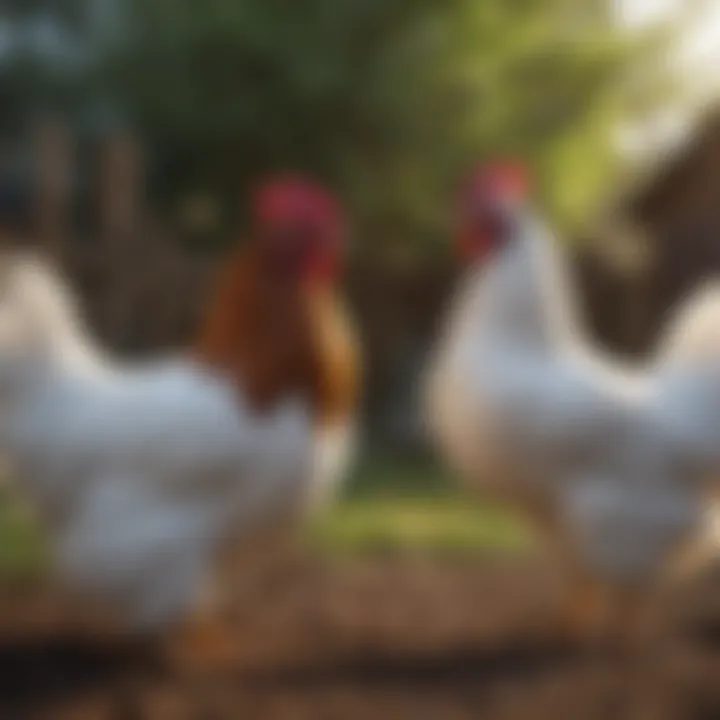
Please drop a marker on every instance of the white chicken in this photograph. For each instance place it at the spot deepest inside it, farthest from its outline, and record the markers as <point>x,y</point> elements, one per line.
<point>607,461</point>
<point>142,475</point>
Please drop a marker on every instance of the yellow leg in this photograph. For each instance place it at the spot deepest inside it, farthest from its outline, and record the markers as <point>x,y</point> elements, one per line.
<point>202,642</point>
<point>600,612</point>
<point>594,609</point>
<point>585,610</point>
<point>584,606</point>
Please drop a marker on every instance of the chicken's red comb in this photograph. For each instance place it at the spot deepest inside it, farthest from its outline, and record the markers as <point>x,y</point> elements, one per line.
<point>507,179</point>
<point>294,199</point>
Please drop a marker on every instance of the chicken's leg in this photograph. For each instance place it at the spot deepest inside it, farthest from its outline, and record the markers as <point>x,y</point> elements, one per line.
<point>201,643</point>
<point>621,618</point>
<point>585,601</point>
<point>585,609</point>
<point>243,573</point>
<point>203,640</point>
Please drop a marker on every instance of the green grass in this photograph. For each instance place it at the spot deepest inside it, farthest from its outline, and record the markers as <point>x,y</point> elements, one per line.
<point>412,507</point>
<point>388,506</point>
<point>417,525</point>
<point>22,552</point>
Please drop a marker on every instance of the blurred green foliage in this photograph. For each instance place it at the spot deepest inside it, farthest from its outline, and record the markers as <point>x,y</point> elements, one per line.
<point>390,101</point>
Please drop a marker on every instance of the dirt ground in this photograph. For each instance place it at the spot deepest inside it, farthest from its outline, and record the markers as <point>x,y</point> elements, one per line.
<point>381,639</point>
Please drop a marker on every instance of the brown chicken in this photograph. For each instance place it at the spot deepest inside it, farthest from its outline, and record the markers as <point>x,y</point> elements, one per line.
<point>276,324</point>
<point>277,327</point>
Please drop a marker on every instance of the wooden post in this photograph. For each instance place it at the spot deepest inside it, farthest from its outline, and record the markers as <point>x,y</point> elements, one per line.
<point>54,159</point>
<point>122,186</point>
<point>120,230</point>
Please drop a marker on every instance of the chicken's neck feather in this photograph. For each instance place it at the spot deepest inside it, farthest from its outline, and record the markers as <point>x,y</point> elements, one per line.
<point>275,339</point>
<point>338,354</point>
<point>526,297</point>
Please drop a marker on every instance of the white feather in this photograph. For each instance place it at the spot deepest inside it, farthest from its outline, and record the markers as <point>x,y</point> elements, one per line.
<point>140,473</point>
<point>524,406</point>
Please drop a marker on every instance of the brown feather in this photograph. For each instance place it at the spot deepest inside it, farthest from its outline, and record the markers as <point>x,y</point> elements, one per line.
<point>276,339</point>
<point>337,352</point>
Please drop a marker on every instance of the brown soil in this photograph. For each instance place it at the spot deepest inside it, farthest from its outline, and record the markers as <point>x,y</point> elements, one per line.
<point>384,639</point>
